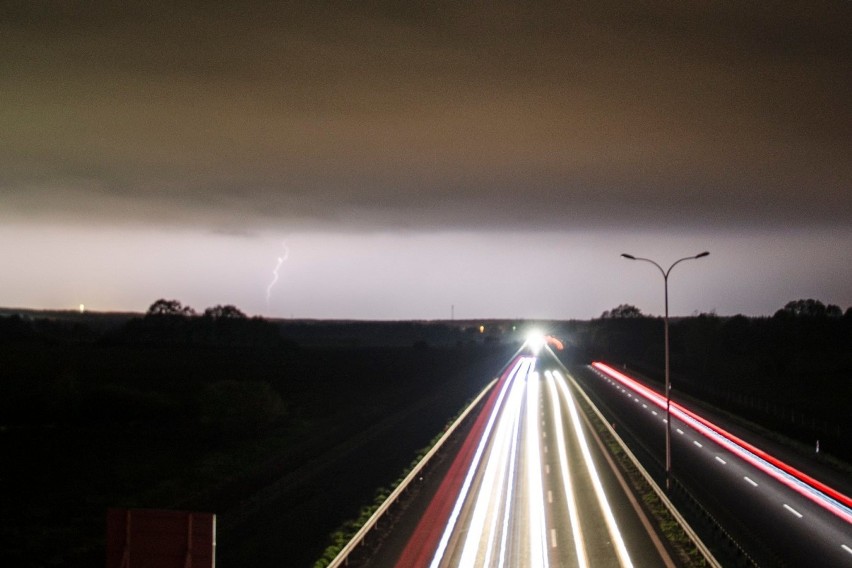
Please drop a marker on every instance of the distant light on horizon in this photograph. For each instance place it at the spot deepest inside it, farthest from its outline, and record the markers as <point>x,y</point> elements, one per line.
<point>536,341</point>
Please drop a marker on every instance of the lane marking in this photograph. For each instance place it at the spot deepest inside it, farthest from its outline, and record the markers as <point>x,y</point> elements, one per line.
<point>654,412</point>
<point>747,478</point>
<point>537,523</point>
<point>697,443</point>
<point>721,461</point>
<point>644,405</point>
<point>612,526</point>
<point>510,483</point>
<point>552,538</point>
<point>846,548</point>
<point>549,496</point>
<point>496,482</point>
<point>547,468</point>
<point>640,512</point>
<point>679,431</point>
<point>818,492</point>
<point>792,510</point>
<point>568,486</point>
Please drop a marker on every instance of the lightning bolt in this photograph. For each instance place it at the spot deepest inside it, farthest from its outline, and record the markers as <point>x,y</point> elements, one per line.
<point>275,270</point>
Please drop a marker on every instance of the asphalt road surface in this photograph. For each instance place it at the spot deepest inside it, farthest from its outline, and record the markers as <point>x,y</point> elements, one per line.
<point>530,486</point>
<point>784,517</point>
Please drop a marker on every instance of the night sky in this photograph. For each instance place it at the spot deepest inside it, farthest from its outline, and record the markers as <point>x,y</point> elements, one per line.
<point>393,162</point>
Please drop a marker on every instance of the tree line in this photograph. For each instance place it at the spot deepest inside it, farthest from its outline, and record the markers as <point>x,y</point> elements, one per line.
<point>170,322</point>
<point>789,371</point>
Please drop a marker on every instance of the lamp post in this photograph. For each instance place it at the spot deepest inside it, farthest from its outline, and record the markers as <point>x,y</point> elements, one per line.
<point>668,386</point>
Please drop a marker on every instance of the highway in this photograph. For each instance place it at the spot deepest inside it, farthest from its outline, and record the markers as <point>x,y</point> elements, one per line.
<point>531,487</point>
<point>782,516</point>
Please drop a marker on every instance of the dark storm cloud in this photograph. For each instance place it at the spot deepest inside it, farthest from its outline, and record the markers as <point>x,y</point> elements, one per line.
<point>240,115</point>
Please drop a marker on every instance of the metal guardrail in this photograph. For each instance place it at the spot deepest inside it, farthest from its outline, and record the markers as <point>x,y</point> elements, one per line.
<point>342,558</point>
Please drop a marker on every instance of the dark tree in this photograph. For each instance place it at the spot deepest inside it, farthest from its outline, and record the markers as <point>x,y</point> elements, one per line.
<point>223,312</point>
<point>804,308</point>
<point>15,328</point>
<point>622,311</point>
<point>833,311</point>
<point>169,308</point>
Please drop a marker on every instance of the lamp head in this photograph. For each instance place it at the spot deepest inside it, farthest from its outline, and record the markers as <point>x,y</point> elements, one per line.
<point>631,257</point>
<point>702,254</point>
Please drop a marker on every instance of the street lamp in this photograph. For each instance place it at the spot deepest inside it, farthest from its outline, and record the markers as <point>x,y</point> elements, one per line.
<point>668,387</point>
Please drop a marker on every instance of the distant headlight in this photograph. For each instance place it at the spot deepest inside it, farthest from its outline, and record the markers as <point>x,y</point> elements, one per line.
<point>535,341</point>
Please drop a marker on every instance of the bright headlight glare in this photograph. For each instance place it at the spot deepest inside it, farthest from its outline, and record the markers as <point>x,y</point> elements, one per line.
<point>535,341</point>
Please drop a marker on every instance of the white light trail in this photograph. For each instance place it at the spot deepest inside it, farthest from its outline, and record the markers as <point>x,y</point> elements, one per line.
<point>537,534</point>
<point>812,489</point>
<point>507,507</point>
<point>612,526</point>
<point>494,481</point>
<point>567,485</point>
<point>524,364</point>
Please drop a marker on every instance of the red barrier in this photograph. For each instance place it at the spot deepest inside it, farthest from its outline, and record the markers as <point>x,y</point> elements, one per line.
<point>150,538</point>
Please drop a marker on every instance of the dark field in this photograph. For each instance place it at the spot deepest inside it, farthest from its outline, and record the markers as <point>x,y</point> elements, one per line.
<point>283,442</point>
<point>285,430</point>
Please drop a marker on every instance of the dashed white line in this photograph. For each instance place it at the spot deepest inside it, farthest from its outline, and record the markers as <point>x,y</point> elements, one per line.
<point>846,548</point>
<point>697,443</point>
<point>547,468</point>
<point>754,483</point>
<point>792,510</point>
<point>644,405</point>
<point>553,538</point>
<point>550,496</point>
<point>654,412</point>
<point>679,431</point>
<point>720,460</point>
